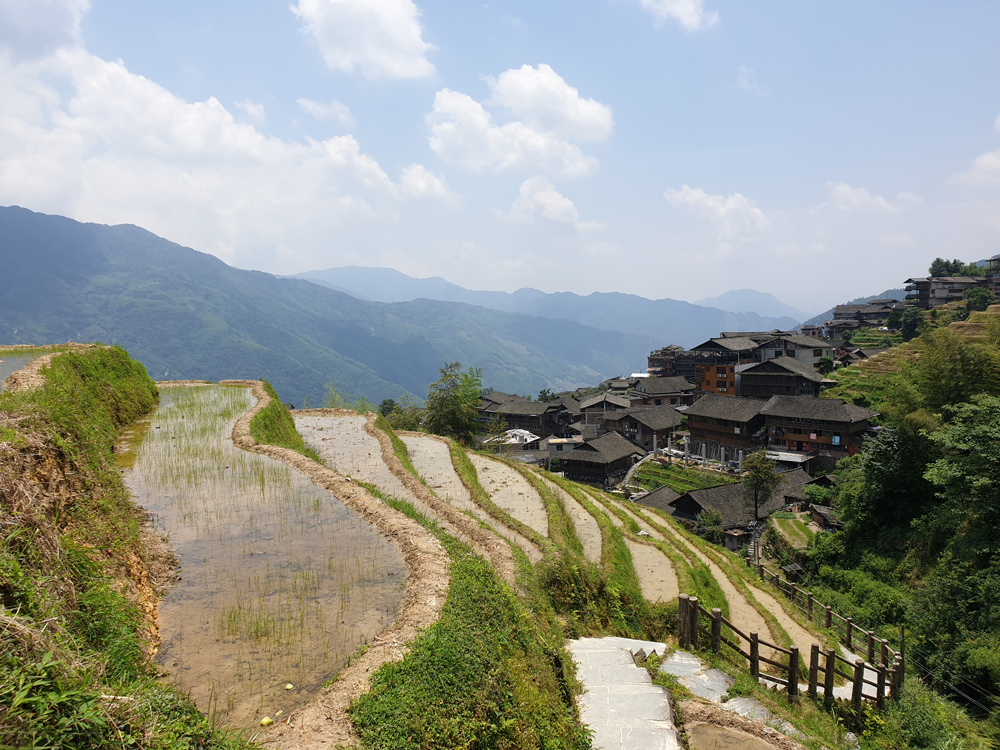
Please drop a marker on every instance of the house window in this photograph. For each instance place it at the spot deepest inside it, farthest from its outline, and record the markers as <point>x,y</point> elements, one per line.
<point>722,388</point>
<point>721,373</point>
<point>817,352</point>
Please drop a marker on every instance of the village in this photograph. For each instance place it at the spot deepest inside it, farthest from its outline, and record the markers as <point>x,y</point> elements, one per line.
<point>709,407</point>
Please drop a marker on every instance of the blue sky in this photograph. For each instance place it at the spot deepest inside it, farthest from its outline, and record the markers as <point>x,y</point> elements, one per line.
<point>670,148</point>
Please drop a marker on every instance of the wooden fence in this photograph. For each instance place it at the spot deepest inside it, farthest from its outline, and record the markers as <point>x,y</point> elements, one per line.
<point>854,637</point>
<point>692,634</point>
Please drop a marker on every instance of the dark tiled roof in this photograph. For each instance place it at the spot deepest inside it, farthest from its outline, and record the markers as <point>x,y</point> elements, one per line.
<point>653,417</point>
<point>736,344</point>
<point>527,408</point>
<point>660,498</point>
<point>732,408</point>
<point>607,449</point>
<point>825,409</point>
<point>789,365</point>
<point>728,498</point>
<point>605,397</point>
<point>675,384</point>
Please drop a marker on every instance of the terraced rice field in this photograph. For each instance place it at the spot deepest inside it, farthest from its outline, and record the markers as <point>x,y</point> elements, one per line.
<point>279,581</point>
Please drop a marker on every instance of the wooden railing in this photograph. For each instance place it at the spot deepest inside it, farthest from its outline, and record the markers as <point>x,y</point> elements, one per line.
<point>692,634</point>
<point>853,636</point>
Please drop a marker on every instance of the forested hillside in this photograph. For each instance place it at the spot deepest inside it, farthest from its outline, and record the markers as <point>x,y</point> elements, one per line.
<point>185,314</point>
<point>921,507</point>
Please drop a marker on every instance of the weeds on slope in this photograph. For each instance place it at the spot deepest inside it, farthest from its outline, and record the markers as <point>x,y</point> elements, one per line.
<point>490,673</point>
<point>73,672</point>
<point>275,426</point>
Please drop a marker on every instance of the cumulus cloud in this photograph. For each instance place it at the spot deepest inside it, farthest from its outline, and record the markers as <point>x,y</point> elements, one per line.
<point>419,183</point>
<point>87,138</point>
<point>541,98</point>
<point>464,134</point>
<point>331,110</point>
<point>734,214</point>
<point>379,38</point>
<point>859,200</point>
<point>36,28</point>
<point>254,112</point>
<point>690,14</point>
<point>537,197</point>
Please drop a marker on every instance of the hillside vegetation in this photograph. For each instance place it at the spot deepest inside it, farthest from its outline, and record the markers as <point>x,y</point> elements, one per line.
<point>185,314</point>
<point>921,505</point>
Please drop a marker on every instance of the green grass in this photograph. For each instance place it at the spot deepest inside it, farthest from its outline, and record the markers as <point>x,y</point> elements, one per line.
<point>654,474</point>
<point>273,425</point>
<point>61,564</point>
<point>490,673</point>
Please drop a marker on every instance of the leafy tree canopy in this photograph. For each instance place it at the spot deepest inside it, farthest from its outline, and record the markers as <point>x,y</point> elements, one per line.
<point>452,403</point>
<point>978,298</point>
<point>760,480</point>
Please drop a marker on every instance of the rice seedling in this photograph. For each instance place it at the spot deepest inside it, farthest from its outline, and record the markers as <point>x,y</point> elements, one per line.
<point>279,580</point>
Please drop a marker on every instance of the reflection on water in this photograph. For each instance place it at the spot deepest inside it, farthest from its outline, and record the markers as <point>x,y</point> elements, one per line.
<point>280,582</point>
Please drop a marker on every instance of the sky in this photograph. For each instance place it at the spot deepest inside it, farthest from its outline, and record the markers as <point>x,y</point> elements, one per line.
<point>667,148</point>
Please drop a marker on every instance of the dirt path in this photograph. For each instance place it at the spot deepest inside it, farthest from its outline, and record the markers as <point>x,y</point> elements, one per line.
<point>656,575</point>
<point>511,491</point>
<point>587,529</point>
<point>323,722</point>
<point>432,460</point>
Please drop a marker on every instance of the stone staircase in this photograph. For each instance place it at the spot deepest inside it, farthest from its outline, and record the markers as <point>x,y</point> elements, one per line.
<point>622,706</point>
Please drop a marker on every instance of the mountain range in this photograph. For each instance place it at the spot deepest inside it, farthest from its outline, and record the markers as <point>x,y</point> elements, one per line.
<point>669,321</point>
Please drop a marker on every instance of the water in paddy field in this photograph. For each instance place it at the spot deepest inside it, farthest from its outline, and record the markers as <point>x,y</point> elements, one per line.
<point>11,362</point>
<point>280,581</point>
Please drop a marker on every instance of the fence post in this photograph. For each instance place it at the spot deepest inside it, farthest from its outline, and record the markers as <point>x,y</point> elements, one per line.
<point>894,680</point>
<point>683,621</point>
<point>885,653</point>
<point>809,606</point>
<point>760,571</point>
<point>859,685</point>
<point>828,675</point>
<point>871,647</point>
<point>828,618</point>
<point>850,632</point>
<point>754,656</point>
<point>716,629</point>
<point>793,672</point>
<point>813,670</point>
<point>794,591</point>
<point>694,622</point>
<point>880,690</point>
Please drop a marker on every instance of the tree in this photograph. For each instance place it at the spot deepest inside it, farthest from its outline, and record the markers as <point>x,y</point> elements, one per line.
<point>825,365</point>
<point>951,370</point>
<point>912,323</point>
<point>942,267</point>
<point>760,480</point>
<point>407,415</point>
<point>545,395</point>
<point>895,320</point>
<point>496,434</point>
<point>709,525</point>
<point>978,298</point>
<point>387,407</point>
<point>452,401</point>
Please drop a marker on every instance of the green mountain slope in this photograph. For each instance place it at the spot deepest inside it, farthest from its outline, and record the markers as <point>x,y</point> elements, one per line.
<point>186,314</point>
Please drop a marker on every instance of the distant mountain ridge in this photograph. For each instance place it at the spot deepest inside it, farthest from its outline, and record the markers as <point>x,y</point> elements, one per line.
<point>186,314</point>
<point>750,300</point>
<point>667,320</point>
<point>897,294</point>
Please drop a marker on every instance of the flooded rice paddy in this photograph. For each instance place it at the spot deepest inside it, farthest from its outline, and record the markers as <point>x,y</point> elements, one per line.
<point>280,582</point>
<point>11,362</point>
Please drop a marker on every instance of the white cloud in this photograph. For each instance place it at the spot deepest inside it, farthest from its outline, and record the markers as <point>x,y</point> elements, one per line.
<point>734,214</point>
<point>117,147</point>
<point>544,101</point>
<point>254,112</point>
<point>690,14</point>
<point>744,82</point>
<point>379,38</point>
<point>859,200</point>
<point>332,110</point>
<point>464,134</point>
<point>37,28</point>
<point>985,170</point>
<point>537,197</point>
<point>418,182</point>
